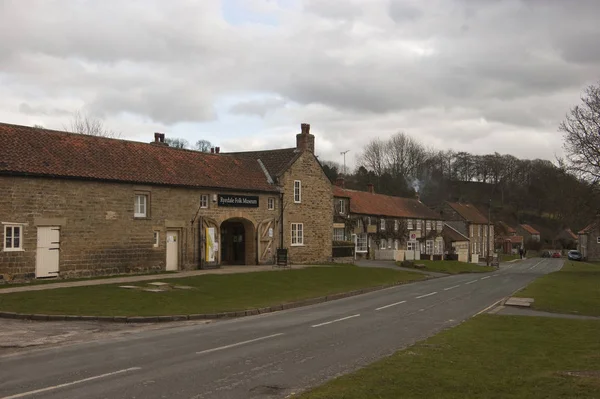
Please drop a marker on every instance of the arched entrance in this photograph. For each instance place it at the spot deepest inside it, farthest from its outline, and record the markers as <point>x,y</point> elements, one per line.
<point>238,242</point>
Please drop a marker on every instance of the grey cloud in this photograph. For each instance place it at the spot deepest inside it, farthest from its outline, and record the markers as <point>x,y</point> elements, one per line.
<point>402,11</point>
<point>257,107</point>
<point>42,110</point>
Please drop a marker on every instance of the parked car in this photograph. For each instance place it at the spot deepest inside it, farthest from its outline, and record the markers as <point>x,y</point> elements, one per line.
<point>574,255</point>
<point>546,254</point>
<point>556,255</point>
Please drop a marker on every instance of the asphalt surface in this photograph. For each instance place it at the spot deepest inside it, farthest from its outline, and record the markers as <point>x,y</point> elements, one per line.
<point>267,356</point>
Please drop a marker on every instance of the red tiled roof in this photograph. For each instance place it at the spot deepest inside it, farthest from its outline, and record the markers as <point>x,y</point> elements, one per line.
<point>276,161</point>
<point>365,203</point>
<point>512,239</point>
<point>530,229</point>
<point>468,212</point>
<point>589,227</point>
<point>507,228</point>
<point>41,152</point>
<point>571,234</point>
<point>452,234</point>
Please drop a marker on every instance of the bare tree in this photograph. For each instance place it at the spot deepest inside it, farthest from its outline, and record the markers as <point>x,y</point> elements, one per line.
<point>177,143</point>
<point>84,123</point>
<point>203,145</point>
<point>374,157</point>
<point>581,129</point>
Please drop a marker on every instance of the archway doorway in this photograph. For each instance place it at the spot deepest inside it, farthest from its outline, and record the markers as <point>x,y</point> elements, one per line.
<point>238,245</point>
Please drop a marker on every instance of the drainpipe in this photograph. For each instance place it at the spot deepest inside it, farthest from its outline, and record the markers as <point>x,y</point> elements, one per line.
<point>281,220</point>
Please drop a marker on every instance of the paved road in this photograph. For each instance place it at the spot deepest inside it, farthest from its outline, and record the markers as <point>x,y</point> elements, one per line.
<point>266,356</point>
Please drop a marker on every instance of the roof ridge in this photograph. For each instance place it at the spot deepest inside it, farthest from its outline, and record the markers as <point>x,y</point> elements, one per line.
<point>446,224</point>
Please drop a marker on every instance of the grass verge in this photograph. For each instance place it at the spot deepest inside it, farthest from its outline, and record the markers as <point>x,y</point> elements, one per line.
<point>210,293</point>
<point>508,258</point>
<point>451,266</point>
<point>487,357</point>
<point>575,289</point>
<point>58,280</point>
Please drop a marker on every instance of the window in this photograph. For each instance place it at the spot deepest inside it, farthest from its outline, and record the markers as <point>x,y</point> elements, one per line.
<point>439,247</point>
<point>439,225</point>
<point>359,224</point>
<point>204,201</point>
<point>396,243</point>
<point>368,220</point>
<point>428,225</point>
<point>382,226</point>
<point>382,244</point>
<point>598,240</point>
<point>411,245</point>
<point>395,225</point>
<point>409,224</point>
<point>342,206</point>
<point>361,243</point>
<point>419,224</point>
<point>297,234</point>
<point>471,228</point>
<point>156,239</point>
<point>479,230</point>
<point>271,203</point>
<point>141,205</point>
<point>13,237</point>
<point>297,191</point>
<point>339,234</point>
<point>429,247</point>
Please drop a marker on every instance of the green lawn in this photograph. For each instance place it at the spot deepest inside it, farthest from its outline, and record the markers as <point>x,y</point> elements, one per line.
<point>507,258</point>
<point>211,293</point>
<point>451,266</point>
<point>59,280</point>
<point>489,356</point>
<point>574,289</point>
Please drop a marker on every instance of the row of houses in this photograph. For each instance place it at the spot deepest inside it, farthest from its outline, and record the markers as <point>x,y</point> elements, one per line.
<point>77,205</point>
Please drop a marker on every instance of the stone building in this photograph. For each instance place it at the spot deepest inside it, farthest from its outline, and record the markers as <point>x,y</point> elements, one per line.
<point>386,227</point>
<point>528,233</point>
<point>77,205</point>
<point>589,241</point>
<point>470,222</point>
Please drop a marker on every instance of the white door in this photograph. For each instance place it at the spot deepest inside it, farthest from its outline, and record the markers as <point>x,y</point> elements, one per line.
<point>48,248</point>
<point>172,250</point>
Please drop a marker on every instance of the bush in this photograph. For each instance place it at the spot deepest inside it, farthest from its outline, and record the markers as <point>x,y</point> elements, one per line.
<point>407,263</point>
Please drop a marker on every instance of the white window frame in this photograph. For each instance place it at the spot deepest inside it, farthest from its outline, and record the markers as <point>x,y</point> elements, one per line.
<point>297,191</point>
<point>339,234</point>
<point>361,243</point>
<point>382,224</point>
<point>396,225</point>
<point>396,244</point>
<point>383,244</point>
<point>438,247</point>
<point>12,227</point>
<point>137,206</point>
<point>419,224</point>
<point>428,225</point>
<point>342,206</point>
<point>598,240</point>
<point>411,245</point>
<point>429,247</point>
<point>156,237</point>
<point>297,237</point>
<point>270,203</point>
<point>409,224</point>
<point>439,225</point>
<point>471,228</point>
<point>204,201</point>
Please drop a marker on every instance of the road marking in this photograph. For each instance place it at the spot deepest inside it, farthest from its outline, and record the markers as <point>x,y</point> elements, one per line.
<point>335,321</point>
<point>471,282</point>
<point>52,388</point>
<point>426,295</point>
<point>238,344</point>
<point>451,288</point>
<point>483,278</point>
<point>390,305</point>
<point>535,265</point>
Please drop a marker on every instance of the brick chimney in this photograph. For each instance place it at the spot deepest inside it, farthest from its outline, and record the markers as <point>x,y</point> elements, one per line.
<point>371,188</point>
<point>212,150</point>
<point>340,182</point>
<point>417,196</point>
<point>304,140</point>
<point>159,139</point>
<point>217,150</point>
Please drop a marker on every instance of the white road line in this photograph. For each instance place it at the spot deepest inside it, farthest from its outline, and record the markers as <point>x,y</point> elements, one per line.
<point>335,321</point>
<point>483,278</point>
<point>451,288</point>
<point>52,388</point>
<point>390,305</point>
<point>430,294</point>
<point>238,344</point>
<point>471,282</point>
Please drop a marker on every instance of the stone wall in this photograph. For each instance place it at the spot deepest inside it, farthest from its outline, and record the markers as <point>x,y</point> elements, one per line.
<point>314,211</point>
<point>99,234</point>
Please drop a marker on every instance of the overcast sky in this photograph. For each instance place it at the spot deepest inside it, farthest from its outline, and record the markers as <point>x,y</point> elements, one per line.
<point>468,75</point>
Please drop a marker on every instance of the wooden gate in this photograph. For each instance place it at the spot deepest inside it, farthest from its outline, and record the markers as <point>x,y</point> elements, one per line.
<point>266,241</point>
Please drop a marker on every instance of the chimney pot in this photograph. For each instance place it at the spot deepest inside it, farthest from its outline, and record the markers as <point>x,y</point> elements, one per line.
<point>212,150</point>
<point>340,182</point>
<point>305,128</point>
<point>371,188</point>
<point>159,137</point>
<point>217,149</point>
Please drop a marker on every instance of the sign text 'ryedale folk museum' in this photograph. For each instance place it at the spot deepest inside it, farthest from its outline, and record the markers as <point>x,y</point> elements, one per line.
<point>238,200</point>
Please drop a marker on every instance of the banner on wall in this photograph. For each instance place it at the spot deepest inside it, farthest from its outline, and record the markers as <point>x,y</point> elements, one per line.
<point>211,245</point>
